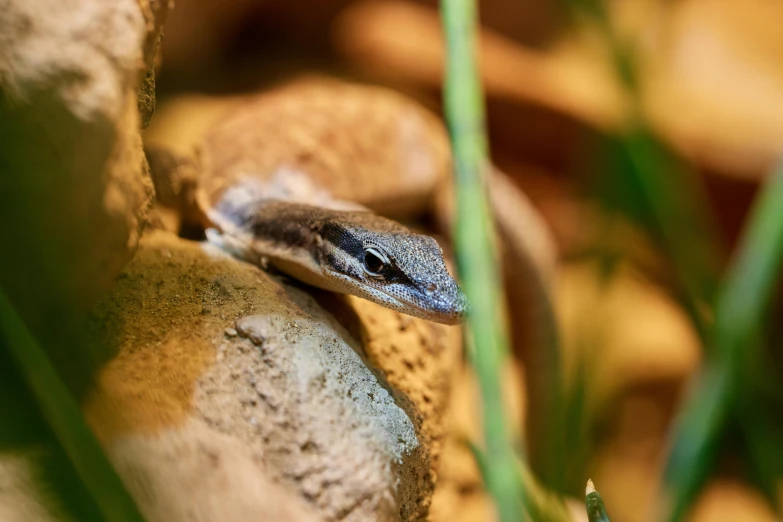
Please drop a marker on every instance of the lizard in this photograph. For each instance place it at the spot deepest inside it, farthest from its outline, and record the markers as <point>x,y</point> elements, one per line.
<point>275,182</point>
<point>349,251</point>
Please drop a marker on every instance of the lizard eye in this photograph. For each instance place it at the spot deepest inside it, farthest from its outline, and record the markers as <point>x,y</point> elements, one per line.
<point>374,263</point>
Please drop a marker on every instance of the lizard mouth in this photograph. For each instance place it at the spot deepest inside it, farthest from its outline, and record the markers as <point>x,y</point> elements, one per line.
<point>450,311</point>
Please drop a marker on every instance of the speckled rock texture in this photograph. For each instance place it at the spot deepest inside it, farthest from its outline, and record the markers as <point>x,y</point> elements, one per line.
<point>74,194</point>
<point>235,395</point>
<point>73,178</point>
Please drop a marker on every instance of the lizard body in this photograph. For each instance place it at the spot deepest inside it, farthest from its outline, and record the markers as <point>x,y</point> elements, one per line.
<point>342,149</point>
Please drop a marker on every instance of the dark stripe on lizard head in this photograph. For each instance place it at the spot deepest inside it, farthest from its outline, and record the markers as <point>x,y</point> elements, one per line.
<point>385,262</point>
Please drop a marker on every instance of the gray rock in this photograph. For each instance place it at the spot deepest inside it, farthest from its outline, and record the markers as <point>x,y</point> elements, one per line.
<point>292,402</point>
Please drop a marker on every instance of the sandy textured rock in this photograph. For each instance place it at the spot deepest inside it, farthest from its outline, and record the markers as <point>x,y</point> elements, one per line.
<point>419,359</point>
<point>195,473</point>
<point>74,183</point>
<point>155,14</point>
<point>220,367</point>
<point>74,192</point>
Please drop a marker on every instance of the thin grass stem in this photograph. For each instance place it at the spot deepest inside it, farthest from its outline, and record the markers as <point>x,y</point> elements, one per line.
<point>486,337</point>
<point>65,419</point>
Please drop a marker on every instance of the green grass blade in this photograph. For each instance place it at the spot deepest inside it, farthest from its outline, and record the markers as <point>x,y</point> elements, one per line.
<point>539,503</point>
<point>596,511</point>
<point>742,303</point>
<point>486,338</point>
<point>752,278</point>
<point>649,184</point>
<point>675,209</point>
<point>65,419</point>
<point>762,433</point>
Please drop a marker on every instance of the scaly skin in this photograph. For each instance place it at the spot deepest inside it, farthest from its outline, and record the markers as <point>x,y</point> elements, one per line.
<point>351,252</point>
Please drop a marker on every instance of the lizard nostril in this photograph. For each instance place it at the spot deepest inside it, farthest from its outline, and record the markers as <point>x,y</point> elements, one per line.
<point>430,288</point>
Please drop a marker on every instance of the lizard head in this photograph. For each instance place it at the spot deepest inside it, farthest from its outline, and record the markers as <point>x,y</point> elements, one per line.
<point>384,262</point>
